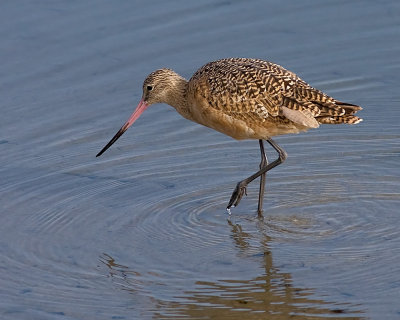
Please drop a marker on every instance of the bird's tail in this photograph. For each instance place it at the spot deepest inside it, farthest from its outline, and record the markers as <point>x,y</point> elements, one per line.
<point>348,116</point>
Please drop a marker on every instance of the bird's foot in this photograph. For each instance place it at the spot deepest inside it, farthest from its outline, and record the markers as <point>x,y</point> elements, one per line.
<point>240,190</point>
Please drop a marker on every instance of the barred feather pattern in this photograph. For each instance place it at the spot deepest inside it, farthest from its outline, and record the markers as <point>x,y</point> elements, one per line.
<point>257,91</point>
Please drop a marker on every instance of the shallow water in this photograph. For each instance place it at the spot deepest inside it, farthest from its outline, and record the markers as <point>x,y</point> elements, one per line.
<point>142,232</point>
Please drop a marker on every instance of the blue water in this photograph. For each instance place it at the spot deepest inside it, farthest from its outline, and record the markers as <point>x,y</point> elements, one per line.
<point>142,232</point>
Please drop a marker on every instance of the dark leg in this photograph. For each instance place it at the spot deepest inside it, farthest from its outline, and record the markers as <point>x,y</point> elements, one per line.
<point>264,162</point>
<point>240,189</point>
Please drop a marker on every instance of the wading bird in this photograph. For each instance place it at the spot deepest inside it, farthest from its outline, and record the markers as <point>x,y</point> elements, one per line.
<point>244,99</point>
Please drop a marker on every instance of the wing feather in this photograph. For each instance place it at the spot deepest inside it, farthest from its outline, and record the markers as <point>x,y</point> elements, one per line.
<point>254,90</point>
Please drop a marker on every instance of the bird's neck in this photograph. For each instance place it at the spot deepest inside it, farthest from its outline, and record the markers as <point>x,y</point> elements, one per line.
<point>177,95</point>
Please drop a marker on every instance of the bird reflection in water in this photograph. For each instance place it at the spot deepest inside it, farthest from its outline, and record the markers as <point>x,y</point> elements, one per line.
<point>269,294</point>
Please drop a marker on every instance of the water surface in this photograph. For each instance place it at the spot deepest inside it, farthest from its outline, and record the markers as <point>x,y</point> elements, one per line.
<point>142,232</point>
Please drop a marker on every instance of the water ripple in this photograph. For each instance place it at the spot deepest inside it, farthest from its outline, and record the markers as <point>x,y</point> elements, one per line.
<point>142,232</point>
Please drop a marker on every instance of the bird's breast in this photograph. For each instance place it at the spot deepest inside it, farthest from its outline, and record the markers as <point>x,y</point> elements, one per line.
<point>201,112</point>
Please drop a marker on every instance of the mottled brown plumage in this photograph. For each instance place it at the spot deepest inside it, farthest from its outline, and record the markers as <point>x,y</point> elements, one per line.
<point>245,99</point>
<point>248,99</point>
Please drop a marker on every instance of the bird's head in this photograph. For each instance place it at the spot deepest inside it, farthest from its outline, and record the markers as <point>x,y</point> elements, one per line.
<point>157,88</point>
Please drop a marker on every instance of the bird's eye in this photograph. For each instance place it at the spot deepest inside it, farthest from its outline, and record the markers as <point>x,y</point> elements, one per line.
<point>149,88</point>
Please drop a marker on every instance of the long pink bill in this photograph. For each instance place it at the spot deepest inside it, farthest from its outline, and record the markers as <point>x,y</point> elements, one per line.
<point>135,115</point>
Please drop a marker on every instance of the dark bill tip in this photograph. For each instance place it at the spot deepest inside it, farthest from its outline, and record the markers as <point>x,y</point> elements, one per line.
<point>115,138</point>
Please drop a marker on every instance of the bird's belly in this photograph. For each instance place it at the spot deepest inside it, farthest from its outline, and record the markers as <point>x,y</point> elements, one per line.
<point>234,128</point>
<point>217,120</point>
<point>224,123</point>
<point>241,129</point>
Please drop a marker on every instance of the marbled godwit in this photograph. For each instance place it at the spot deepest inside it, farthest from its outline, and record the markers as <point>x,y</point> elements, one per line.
<point>245,99</point>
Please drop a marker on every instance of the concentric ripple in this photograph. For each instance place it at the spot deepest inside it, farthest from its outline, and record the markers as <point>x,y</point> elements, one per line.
<point>151,226</point>
<point>142,232</point>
